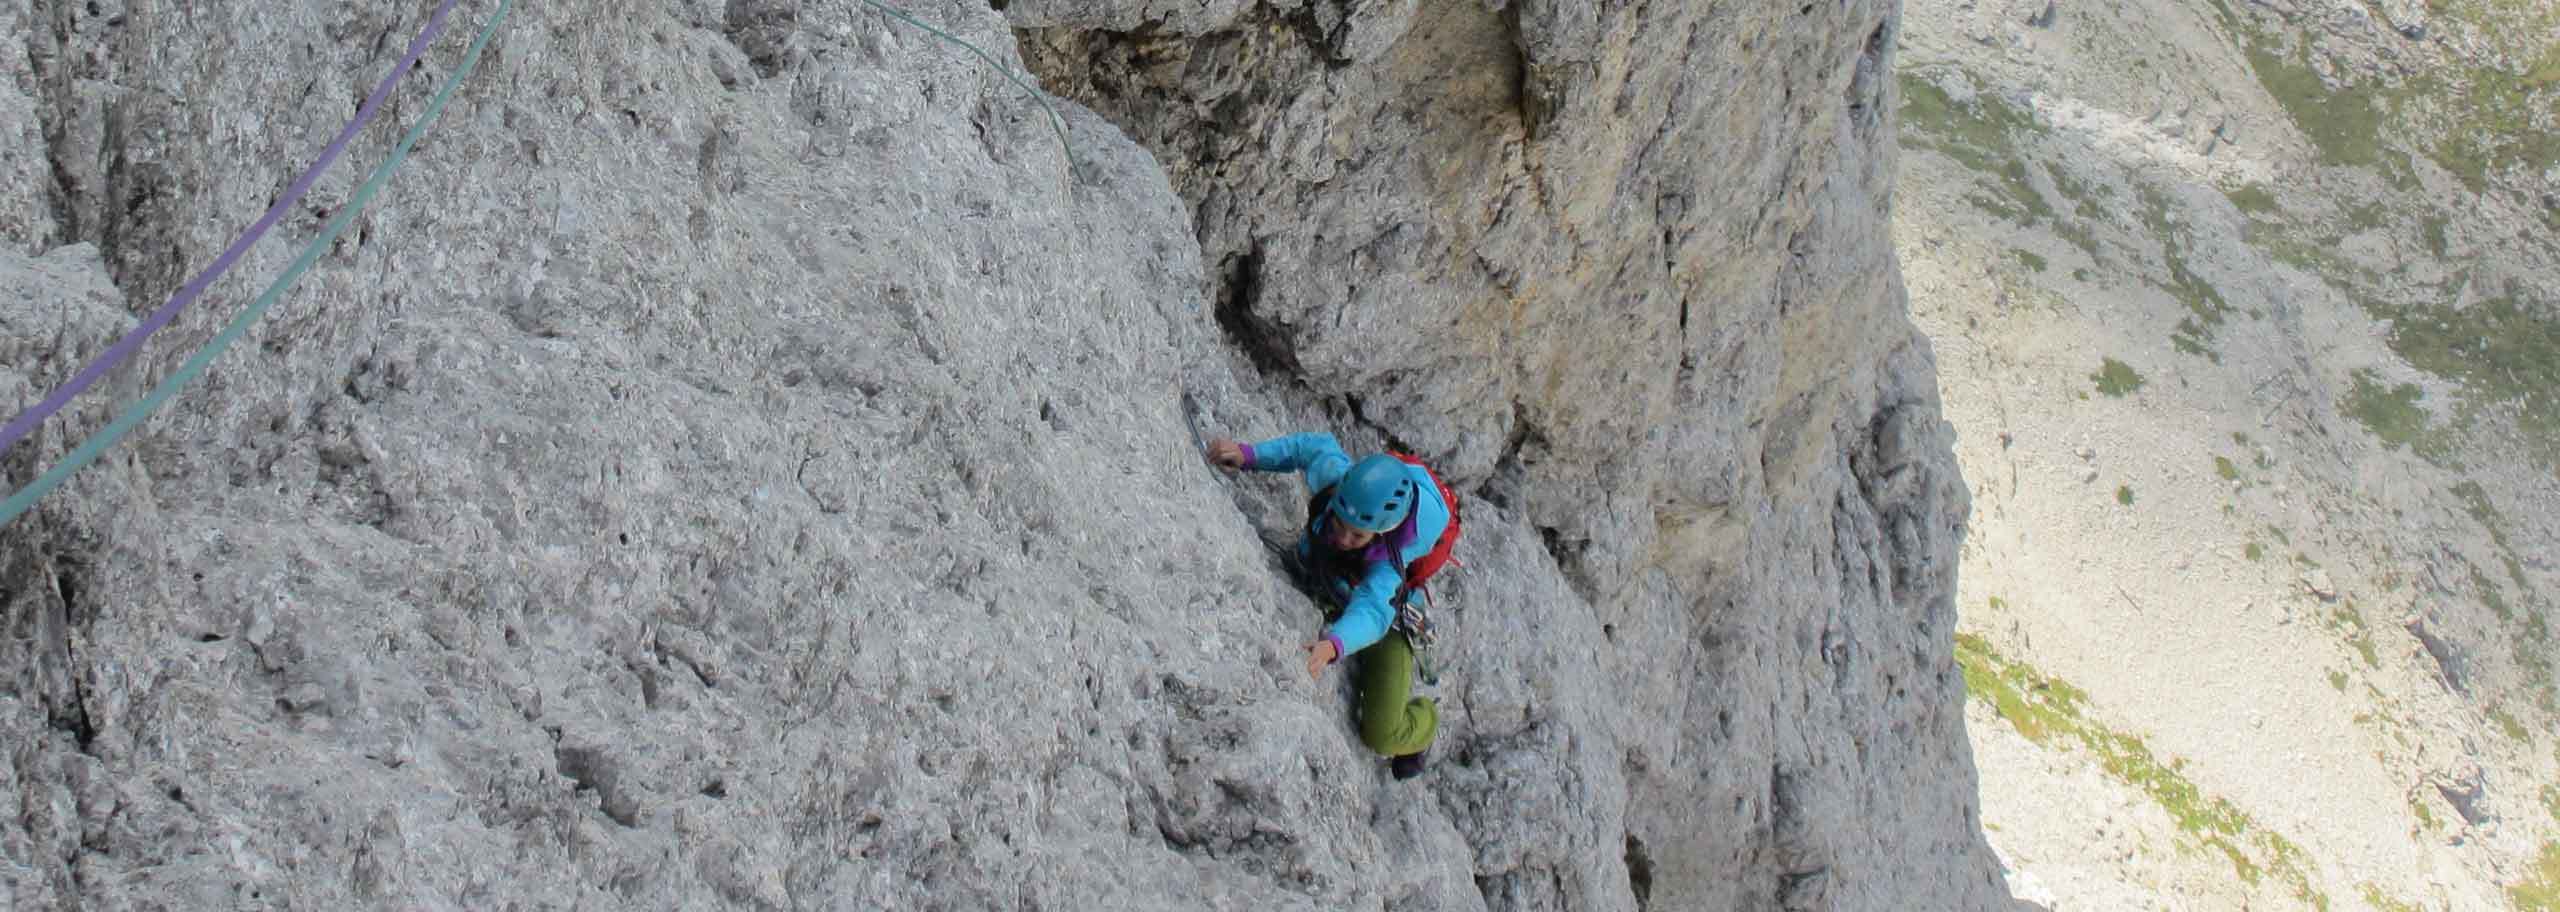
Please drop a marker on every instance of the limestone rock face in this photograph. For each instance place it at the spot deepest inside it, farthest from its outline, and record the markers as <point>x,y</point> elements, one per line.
<point>740,462</point>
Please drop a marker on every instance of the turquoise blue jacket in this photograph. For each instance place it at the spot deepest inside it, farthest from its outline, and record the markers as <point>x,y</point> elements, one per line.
<point>1367,609</point>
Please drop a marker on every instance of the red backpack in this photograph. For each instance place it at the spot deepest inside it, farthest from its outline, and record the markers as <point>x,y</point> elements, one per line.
<point>1442,552</point>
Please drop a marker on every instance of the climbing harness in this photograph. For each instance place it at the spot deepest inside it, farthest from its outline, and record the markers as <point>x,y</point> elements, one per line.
<point>98,443</point>
<point>124,348</point>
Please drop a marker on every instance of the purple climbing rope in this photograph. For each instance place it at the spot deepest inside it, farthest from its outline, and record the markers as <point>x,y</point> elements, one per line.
<point>132,341</point>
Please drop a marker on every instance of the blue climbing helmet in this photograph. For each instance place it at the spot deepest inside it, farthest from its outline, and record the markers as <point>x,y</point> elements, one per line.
<point>1375,496</point>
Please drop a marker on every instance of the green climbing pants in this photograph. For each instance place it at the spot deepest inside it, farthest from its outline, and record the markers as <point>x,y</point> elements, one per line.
<point>1393,721</point>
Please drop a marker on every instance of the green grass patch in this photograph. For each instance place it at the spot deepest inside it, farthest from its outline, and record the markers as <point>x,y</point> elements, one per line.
<point>2116,378</point>
<point>2338,681</point>
<point>2344,124</point>
<point>2349,622</point>
<point>2254,551</point>
<point>2540,891</point>
<point>2029,258</point>
<point>2490,595</point>
<point>2085,199</point>
<point>2499,350</point>
<point>1981,134</point>
<point>2041,708</point>
<point>2393,414</point>
<point>2475,123</point>
<point>2368,216</point>
<point>2079,234</point>
<point>2531,647</point>
<point>2124,495</point>
<point>2507,723</point>
<point>2205,306</point>
<point>2253,199</point>
<point>2475,501</point>
<point>2224,469</point>
<point>2497,126</point>
<point>2086,210</point>
<point>2384,902</point>
<point>2051,712</point>
<point>2551,801</point>
<point>2432,232</point>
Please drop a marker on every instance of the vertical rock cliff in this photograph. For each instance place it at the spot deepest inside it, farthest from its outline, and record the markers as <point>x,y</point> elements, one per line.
<point>739,461</point>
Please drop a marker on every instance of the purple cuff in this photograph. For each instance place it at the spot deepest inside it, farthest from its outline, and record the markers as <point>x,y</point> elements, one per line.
<point>1337,646</point>
<point>1247,449</point>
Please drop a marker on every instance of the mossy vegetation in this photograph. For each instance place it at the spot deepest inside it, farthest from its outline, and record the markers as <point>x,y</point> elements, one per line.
<point>2030,259</point>
<point>2384,902</point>
<point>2540,891</point>
<point>2368,216</point>
<point>2532,650</point>
<point>1980,133</point>
<point>2393,414</point>
<point>2530,637</point>
<point>2475,121</point>
<point>2490,596</point>
<point>2497,124</point>
<point>2205,306</point>
<point>2124,495</point>
<point>2507,724</point>
<point>2349,623</point>
<point>2051,712</point>
<point>2085,211</point>
<point>2344,124</point>
<point>2254,551</point>
<point>2501,352</point>
<point>2475,501</point>
<point>2116,378</point>
<point>2338,680</point>
<point>2253,199</point>
<point>2224,469</point>
<point>2084,197</point>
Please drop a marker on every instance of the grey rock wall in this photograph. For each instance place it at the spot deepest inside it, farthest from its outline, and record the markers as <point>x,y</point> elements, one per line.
<point>738,463</point>
<point>1622,267</point>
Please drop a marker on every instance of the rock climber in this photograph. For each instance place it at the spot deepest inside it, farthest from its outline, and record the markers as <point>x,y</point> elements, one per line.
<point>1376,530</point>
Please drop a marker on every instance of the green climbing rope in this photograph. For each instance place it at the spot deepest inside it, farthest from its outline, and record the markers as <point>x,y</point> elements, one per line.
<point>1055,121</point>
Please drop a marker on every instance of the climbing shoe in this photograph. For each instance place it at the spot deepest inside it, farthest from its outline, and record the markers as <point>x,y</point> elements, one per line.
<point>1408,766</point>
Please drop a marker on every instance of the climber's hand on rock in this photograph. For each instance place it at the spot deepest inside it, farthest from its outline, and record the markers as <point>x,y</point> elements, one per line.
<point>1226,454</point>
<point>1319,654</point>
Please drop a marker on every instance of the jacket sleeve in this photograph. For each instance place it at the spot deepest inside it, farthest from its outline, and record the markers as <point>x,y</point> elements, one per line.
<point>1364,622</point>
<point>1315,453</point>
